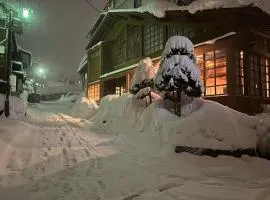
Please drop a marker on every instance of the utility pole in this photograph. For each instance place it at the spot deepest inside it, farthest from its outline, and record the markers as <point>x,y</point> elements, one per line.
<point>8,62</point>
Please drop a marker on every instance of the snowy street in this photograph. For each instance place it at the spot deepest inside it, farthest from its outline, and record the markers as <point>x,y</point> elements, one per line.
<point>50,155</point>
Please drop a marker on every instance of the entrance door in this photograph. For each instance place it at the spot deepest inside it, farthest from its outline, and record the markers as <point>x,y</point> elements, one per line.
<point>115,86</point>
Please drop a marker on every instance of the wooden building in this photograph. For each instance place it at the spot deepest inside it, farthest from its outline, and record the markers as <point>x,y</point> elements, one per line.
<point>232,46</point>
<point>82,70</point>
<point>21,59</point>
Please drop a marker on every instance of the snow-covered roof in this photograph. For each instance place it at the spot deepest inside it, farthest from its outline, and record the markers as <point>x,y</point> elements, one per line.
<point>124,69</point>
<point>159,7</point>
<point>213,41</point>
<point>119,70</point>
<point>19,72</point>
<point>96,45</point>
<point>82,63</point>
<point>17,63</point>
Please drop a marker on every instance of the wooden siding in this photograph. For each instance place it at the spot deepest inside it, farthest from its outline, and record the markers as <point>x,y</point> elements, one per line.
<point>94,64</point>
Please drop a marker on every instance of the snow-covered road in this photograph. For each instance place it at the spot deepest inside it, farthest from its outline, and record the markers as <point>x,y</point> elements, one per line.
<point>52,156</point>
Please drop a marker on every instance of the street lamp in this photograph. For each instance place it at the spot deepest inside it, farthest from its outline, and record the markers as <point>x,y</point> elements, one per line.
<point>26,13</point>
<point>40,71</point>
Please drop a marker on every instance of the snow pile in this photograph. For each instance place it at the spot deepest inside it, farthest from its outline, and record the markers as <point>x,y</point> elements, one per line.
<point>264,129</point>
<point>69,97</point>
<point>24,97</point>
<point>205,123</point>
<point>17,106</point>
<point>266,108</point>
<point>84,108</point>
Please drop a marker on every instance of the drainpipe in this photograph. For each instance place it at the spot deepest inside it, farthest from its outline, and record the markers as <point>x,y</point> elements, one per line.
<point>8,64</point>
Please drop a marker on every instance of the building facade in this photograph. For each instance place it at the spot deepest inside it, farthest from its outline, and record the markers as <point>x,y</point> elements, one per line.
<point>82,70</point>
<point>21,59</point>
<point>232,46</point>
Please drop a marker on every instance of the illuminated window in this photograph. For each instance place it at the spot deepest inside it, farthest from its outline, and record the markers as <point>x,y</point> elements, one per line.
<point>153,38</point>
<point>240,77</point>
<point>120,90</point>
<point>93,92</point>
<point>265,77</point>
<point>213,69</point>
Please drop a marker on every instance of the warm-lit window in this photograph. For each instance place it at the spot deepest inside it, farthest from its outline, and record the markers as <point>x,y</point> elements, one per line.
<point>153,38</point>
<point>133,42</point>
<point>93,92</point>
<point>265,77</point>
<point>120,90</point>
<point>213,69</point>
<point>240,77</point>
<point>119,48</point>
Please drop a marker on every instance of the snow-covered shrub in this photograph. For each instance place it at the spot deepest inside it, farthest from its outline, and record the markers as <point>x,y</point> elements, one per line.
<point>178,73</point>
<point>143,79</point>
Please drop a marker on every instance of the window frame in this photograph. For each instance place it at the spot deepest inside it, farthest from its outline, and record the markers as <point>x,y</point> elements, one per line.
<point>202,64</point>
<point>153,38</point>
<point>94,91</point>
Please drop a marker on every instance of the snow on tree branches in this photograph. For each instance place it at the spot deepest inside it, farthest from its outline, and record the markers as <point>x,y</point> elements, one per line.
<point>143,79</point>
<point>178,71</point>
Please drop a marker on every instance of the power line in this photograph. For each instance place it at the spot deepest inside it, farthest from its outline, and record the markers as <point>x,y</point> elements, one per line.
<point>92,6</point>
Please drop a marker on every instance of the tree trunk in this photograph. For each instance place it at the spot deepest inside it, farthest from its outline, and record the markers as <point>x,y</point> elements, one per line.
<point>174,103</point>
<point>150,97</point>
<point>178,100</point>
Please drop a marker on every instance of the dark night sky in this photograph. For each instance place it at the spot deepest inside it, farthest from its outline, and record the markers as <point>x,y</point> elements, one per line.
<point>57,37</point>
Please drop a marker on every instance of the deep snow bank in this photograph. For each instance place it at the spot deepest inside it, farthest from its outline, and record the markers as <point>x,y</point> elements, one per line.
<point>17,106</point>
<point>69,98</point>
<point>204,123</point>
<point>84,108</point>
